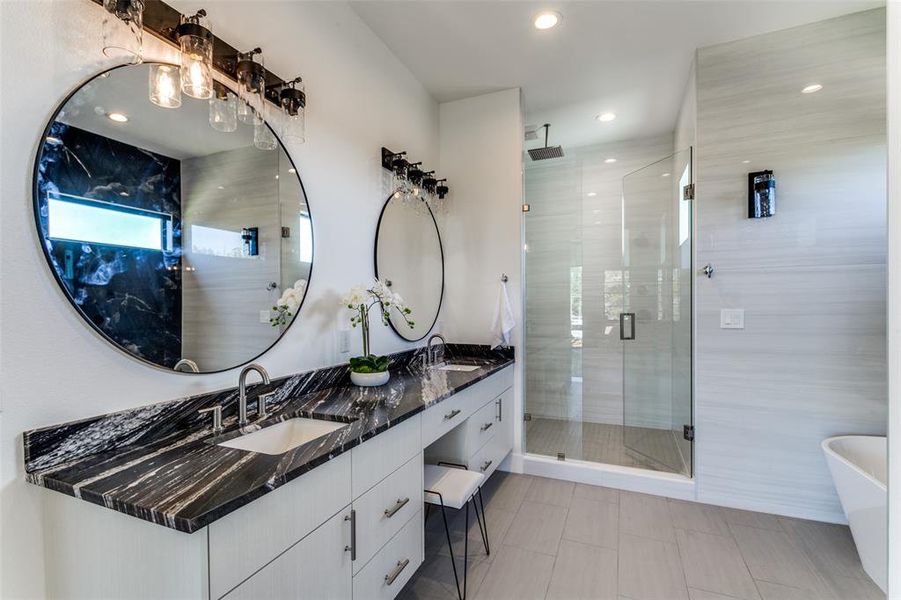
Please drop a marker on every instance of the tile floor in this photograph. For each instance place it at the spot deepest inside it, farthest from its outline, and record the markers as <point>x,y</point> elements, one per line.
<point>564,541</point>
<point>604,443</point>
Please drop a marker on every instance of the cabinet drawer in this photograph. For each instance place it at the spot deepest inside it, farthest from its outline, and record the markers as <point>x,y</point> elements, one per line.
<point>382,511</point>
<point>393,566</point>
<point>245,540</point>
<point>316,567</point>
<point>482,426</point>
<point>489,456</point>
<point>444,416</point>
<point>377,458</point>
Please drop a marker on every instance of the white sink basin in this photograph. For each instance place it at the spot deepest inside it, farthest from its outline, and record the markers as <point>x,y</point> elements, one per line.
<point>465,368</point>
<point>284,436</point>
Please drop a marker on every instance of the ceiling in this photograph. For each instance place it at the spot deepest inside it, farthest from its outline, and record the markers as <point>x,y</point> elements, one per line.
<point>629,57</point>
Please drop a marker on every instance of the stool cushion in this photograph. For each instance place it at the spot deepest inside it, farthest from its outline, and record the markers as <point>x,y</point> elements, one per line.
<point>456,486</point>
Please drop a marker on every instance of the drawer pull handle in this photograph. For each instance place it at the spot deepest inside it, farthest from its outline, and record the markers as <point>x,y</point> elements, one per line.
<point>352,517</point>
<point>486,464</point>
<point>487,426</point>
<point>401,565</point>
<point>390,512</point>
<point>452,414</point>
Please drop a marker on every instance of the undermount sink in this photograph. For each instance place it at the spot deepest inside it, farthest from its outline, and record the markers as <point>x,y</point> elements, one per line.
<point>284,436</point>
<point>465,368</point>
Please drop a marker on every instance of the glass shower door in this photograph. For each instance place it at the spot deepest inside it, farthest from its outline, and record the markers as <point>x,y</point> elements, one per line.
<point>655,325</point>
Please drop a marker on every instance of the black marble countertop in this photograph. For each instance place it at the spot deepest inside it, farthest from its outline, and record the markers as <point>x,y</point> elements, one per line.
<point>157,462</point>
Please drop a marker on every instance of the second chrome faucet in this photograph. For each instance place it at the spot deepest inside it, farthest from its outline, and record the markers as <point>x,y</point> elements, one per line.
<point>242,393</point>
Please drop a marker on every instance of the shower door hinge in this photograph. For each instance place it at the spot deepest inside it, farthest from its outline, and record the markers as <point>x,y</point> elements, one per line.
<point>688,192</point>
<point>527,416</point>
<point>688,432</point>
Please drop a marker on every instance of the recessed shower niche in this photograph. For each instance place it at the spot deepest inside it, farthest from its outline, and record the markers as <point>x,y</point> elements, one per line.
<point>173,240</point>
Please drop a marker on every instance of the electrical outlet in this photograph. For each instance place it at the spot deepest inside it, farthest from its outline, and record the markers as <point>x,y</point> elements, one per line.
<point>265,316</point>
<point>732,318</point>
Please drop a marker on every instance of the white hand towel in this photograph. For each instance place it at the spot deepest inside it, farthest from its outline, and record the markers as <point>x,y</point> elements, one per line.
<point>503,324</point>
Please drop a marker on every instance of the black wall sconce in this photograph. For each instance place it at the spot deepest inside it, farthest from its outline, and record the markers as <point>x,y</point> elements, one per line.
<point>761,195</point>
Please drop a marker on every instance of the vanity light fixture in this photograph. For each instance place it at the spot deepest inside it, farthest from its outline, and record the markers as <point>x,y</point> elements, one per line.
<point>413,184</point>
<point>123,29</point>
<point>812,88</point>
<point>251,72</point>
<point>441,189</point>
<point>293,101</point>
<point>165,87</point>
<point>547,20</point>
<point>223,109</point>
<point>195,40</point>
<point>117,117</point>
<point>605,117</point>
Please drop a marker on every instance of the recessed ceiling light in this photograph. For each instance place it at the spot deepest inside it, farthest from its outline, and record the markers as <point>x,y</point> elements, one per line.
<point>605,117</point>
<point>744,162</point>
<point>117,117</point>
<point>810,89</point>
<point>597,222</point>
<point>546,20</point>
<point>592,194</point>
<point>665,175</point>
<point>292,170</point>
<point>610,161</point>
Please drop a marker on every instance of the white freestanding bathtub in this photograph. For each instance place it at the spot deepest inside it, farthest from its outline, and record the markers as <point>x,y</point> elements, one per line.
<point>858,466</point>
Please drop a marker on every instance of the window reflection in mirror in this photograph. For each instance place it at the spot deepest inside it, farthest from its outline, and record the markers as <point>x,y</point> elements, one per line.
<point>171,239</point>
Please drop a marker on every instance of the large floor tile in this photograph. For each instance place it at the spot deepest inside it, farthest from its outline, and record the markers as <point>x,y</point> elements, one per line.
<point>777,591</point>
<point>696,594</point>
<point>714,563</point>
<point>537,527</point>
<point>748,518</point>
<point>584,572</point>
<point>773,556</point>
<point>848,588</point>
<point>705,518</point>
<point>517,574</point>
<point>596,492</point>
<point>506,490</point>
<point>645,516</point>
<point>591,522</point>
<point>650,569</point>
<point>829,547</point>
<point>550,491</point>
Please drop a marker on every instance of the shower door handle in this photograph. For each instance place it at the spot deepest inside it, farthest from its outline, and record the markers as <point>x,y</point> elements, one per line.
<point>623,318</point>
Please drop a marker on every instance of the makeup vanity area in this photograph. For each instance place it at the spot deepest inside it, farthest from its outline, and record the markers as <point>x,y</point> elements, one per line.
<point>180,232</point>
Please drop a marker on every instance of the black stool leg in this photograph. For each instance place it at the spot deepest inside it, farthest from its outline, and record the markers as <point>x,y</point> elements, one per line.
<point>483,522</point>
<point>450,548</point>
<point>466,548</point>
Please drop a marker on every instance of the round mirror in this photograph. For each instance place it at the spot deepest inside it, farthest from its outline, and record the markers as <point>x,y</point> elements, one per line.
<point>178,228</point>
<point>409,256</point>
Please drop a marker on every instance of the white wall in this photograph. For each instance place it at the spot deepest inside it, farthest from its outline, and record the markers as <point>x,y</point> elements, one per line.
<point>894,297</point>
<point>53,367</point>
<point>481,155</point>
<point>811,360</point>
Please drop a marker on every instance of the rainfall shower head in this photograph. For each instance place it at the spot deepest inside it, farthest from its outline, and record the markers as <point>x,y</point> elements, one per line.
<point>548,151</point>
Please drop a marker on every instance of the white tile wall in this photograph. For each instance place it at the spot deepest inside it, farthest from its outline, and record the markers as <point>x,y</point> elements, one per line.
<point>810,362</point>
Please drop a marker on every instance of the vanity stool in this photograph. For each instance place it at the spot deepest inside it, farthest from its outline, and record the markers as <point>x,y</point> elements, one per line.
<point>450,485</point>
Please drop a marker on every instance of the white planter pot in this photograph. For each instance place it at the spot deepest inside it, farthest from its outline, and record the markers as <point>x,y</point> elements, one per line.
<point>370,379</point>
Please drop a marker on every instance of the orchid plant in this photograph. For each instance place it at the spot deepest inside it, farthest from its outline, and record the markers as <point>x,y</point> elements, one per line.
<point>360,300</point>
<point>289,303</point>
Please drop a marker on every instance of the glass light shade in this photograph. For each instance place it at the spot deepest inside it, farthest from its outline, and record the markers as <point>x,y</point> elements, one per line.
<point>246,113</point>
<point>263,138</point>
<point>123,29</point>
<point>251,73</point>
<point>295,129</point>
<point>196,66</point>
<point>165,90</point>
<point>224,112</point>
<point>195,40</point>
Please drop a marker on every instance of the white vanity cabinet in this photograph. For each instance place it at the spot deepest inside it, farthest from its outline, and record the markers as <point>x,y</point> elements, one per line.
<point>349,529</point>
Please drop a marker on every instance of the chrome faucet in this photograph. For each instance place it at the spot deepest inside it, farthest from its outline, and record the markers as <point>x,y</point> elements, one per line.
<point>429,345</point>
<point>242,392</point>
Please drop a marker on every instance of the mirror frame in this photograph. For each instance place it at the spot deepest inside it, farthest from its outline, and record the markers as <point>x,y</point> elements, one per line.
<point>375,260</point>
<point>35,193</point>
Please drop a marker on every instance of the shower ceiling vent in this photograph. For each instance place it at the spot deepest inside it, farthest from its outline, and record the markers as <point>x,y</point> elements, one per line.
<point>548,151</point>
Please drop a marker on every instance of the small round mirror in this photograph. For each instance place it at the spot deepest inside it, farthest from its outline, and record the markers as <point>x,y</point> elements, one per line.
<point>178,228</point>
<point>409,256</point>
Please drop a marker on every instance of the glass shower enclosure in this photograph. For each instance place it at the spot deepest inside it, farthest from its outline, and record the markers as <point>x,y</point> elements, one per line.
<point>609,312</point>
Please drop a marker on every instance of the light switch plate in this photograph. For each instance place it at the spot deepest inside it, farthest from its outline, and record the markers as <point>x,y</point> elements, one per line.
<point>343,341</point>
<point>265,316</point>
<point>732,318</point>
